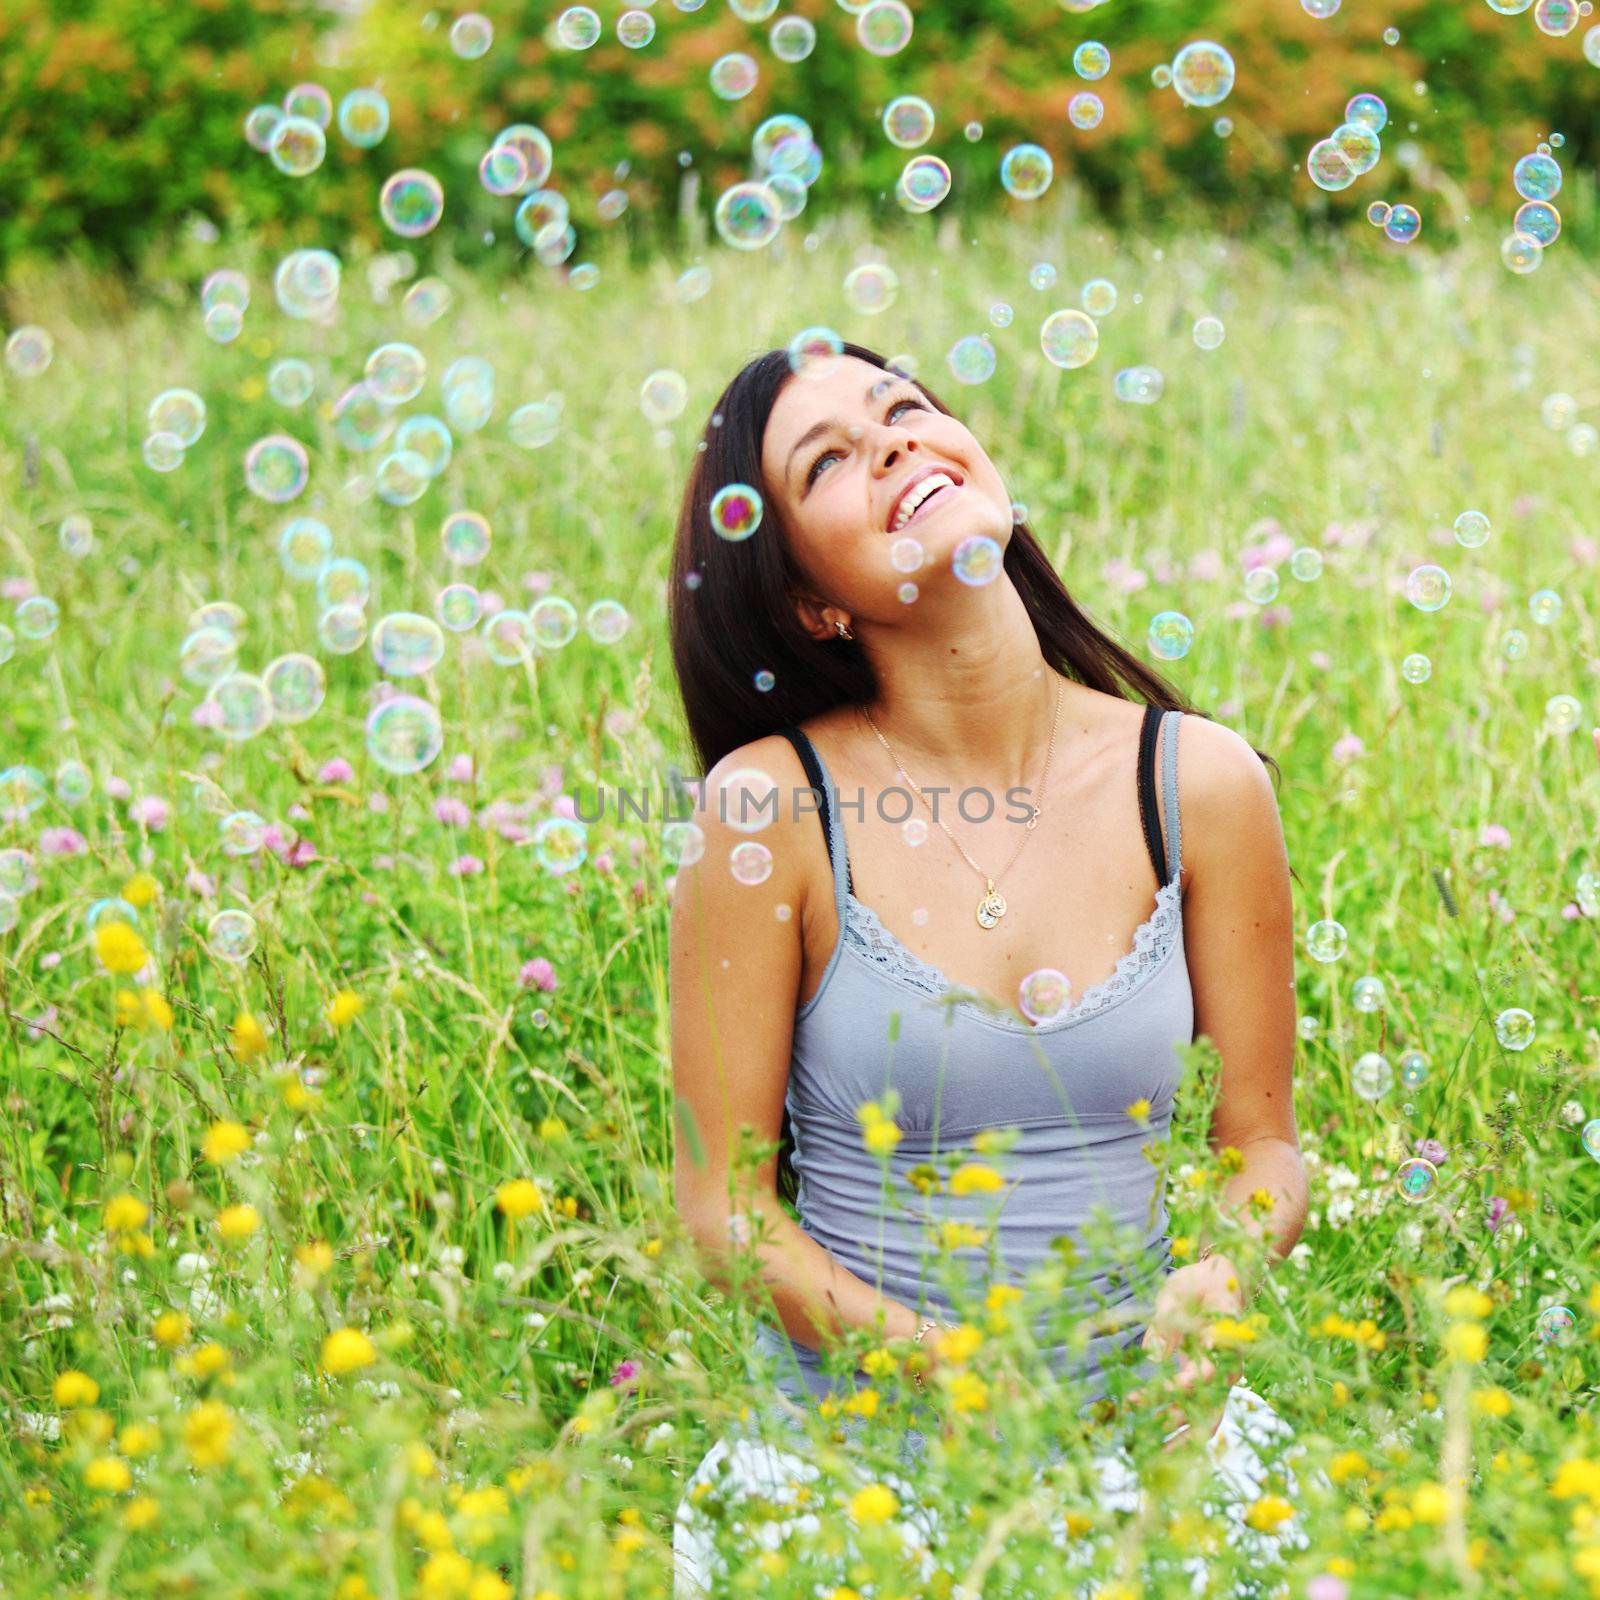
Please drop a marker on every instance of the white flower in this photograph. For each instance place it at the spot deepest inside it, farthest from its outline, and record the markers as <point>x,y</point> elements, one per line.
<point>1340,1210</point>
<point>1572,1112</point>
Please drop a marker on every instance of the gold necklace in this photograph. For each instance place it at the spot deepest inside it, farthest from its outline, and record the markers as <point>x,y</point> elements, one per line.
<point>992,907</point>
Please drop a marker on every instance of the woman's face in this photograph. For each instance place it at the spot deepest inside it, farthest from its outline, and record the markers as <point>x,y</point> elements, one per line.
<point>838,456</point>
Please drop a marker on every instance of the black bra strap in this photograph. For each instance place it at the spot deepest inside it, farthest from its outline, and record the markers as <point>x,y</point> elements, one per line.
<point>1147,791</point>
<point>808,759</point>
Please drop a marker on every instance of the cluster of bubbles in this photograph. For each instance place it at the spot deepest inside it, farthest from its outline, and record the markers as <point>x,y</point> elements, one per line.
<point>787,162</point>
<point>1353,148</point>
<point>1536,223</point>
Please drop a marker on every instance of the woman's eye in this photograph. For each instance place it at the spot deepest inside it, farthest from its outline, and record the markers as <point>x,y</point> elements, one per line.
<point>915,405</point>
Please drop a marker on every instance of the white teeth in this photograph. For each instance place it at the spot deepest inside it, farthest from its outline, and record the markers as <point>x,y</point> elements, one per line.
<point>908,506</point>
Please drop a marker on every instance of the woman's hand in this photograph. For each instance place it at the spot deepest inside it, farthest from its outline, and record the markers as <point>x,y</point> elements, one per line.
<point>1182,1304</point>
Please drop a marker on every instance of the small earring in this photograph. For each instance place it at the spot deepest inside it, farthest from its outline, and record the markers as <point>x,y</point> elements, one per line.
<point>843,632</point>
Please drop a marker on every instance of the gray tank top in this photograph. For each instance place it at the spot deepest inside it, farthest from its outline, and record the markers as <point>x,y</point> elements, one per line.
<point>883,1018</point>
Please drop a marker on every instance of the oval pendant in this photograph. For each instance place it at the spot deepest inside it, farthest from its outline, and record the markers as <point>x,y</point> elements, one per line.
<point>990,909</point>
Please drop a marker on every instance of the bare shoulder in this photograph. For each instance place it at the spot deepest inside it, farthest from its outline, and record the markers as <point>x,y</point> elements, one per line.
<point>1225,794</point>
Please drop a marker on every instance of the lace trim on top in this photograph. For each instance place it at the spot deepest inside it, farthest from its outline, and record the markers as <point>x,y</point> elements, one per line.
<point>1152,941</point>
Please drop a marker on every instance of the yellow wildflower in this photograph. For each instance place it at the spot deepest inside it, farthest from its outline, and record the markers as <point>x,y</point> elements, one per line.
<point>119,947</point>
<point>1348,1464</point>
<point>960,1343</point>
<point>953,1235</point>
<point>1139,1110</point>
<point>210,1359</point>
<point>1430,1503</point>
<point>237,1223</point>
<point>249,1038</point>
<point>171,1328</point>
<point>1579,1476</point>
<point>208,1433</point>
<point>519,1198</point>
<point>1262,1202</point>
<point>124,1213</point>
<point>138,1438</point>
<point>1001,1295</point>
<point>488,1585</point>
<point>863,1403</point>
<point>973,1177</point>
<point>1466,1341</point>
<point>347,1350</point>
<point>313,1260</point>
<point>345,1007</point>
<point>968,1392</point>
<point>108,1475</point>
<point>445,1575</point>
<point>874,1504</point>
<point>224,1141</point>
<point>140,890</point>
<point>1229,1331</point>
<point>1267,1512</point>
<point>140,1513</point>
<point>419,1460</point>
<point>1493,1401</point>
<point>1466,1302</point>
<point>74,1388</point>
<point>880,1136</point>
<point>157,1012</point>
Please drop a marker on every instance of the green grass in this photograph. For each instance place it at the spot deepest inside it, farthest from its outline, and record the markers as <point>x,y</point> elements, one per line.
<point>1362,399</point>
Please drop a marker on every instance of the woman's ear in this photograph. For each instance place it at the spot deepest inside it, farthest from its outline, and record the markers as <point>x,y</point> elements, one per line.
<point>817,617</point>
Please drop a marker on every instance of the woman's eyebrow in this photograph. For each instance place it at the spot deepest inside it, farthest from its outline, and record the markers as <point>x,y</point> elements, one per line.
<point>817,429</point>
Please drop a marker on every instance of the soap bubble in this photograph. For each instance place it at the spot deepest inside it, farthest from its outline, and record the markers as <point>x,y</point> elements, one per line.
<point>1539,220</point>
<point>363,118</point>
<point>298,146</point>
<point>404,734</point>
<point>663,395</point>
<point>1471,529</point>
<point>465,538</point>
<point>884,27</point>
<point>908,121</point>
<point>1416,668</point>
<point>1537,177</point>
<point>1329,167</point>
<point>578,27</point>
<point>1371,1077</point>
<point>871,288</point>
<point>977,560</point>
<point>231,936</point>
<point>1367,994</point>
<point>1368,110</point>
<point>1416,1179</point>
<point>471,35</point>
<point>750,862</point>
<point>1326,940</point>
<point>561,844</point>
<point>1026,171</point>
<point>972,359</point>
<point>411,202</point>
<point>1069,338</point>
<point>296,685</point>
<point>1202,73</point>
<point>406,644</point>
<point>244,706</point>
<point>1171,635</point>
<point>736,511</point>
<point>748,215</point>
<point>1554,1325</point>
<point>1091,60</point>
<point>1209,333</point>
<point>180,412</point>
<point>1043,995</point>
<point>734,75</point>
<point>1085,110</point>
<point>1140,386</point>
<point>458,607</point>
<point>290,381</point>
<point>1514,1028</point>
<point>792,39</point>
<point>923,182</point>
<point>276,468</point>
<point>1403,224</point>
<point>1099,297</point>
<point>242,832</point>
<point>29,350</point>
<point>1428,587</point>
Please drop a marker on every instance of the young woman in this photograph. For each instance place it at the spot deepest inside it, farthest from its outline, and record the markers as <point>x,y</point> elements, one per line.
<point>1002,823</point>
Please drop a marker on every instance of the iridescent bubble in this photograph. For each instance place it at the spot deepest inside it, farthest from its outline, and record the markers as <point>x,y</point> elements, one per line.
<point>1416,668</point>
<point>363,118</point>
<point>682,842</point>
<point>458,607</point>
<point>306,284</point>
<point>533,143</point>
<point>1359,145</point>
<point>404,734</point>
<point>1556,18</point>
<point>663,395</point>
<point>162,452</point>
<point>884,27</point>
<point>971,359</point>
<point>1554,1325</point>
<point>906,554</point>
<point>748,215</point>
<point>242,832</point>
<point>1141,386</point>
<point>606,621</point>
<point>1171,635</point>
<point>1371,1077</point>
<point>1161,75</point>
<point>1391,36</point>
<point>1403,224</point>
<point>908,121</point>
<point>219,614</point>
<point>561,844</point>
<point>208,654</point>
<point>411,202</point>
<point>1428,587</point>
<point>1416,1179</point>
<point>1521,252</point>
<point>427,437</point>
<point>555,622</point>
<point>465,538</point>
<point>180,412</point>
<point>1514,1028</point>
<point>225,286</point>
<point>471,35</point>
<point>1042,996</point>
<point>1209,333</point>
<point>231,936</point>
<point>782,144</point>
<point>74,784</point>
<point>37,617</point>
<point>402,478</point>
<point>502,170</point>
<point>298,146</point>
<point>1320,9</point>
<point>304,547</point>
<point>1378,213</point>
<point>1561,714</point>
<point>1414,1068</point>
<point>343,581</point>
<point>1591,1137</point>
<point>1026,171</point>
<point>1368,110</point>
<point>1000,314</point>
<point>1084,110</point>
<point>734,75</point>
<point>406,644</point>
<point>792,39</point>
<point>396,373</point>
<point>260,123</point>
<point>534,425</point>
<point>924,181</point>
<point>8,644</point>
<point>29,350</point>
<point>815,352</point>
<point>1091,60</point>
<point>290,381</point>
<point>276,468</point>
<point>1544,606</point>
<point>1367,994</point>
<point>18,874</point>
<point>764,680</point>
<point>1069,338</point>
<point>736,511</point>
<point>750,863</point>
<point>1514,646</point>
<point>1329,167</point>
<point>1591,46</point>
<point>1202,73</point>
<point>1471,529</point>
<point>112,909</point>
<point>977,560</point>
<point>1326,940</point>
<point>342,628</point>
<point>508,637</point>
<point>223,324</point>
<point>1041,276</point>
<point>871,287</point>
<point>244,706</point>
<point>1537,177</point>
<point>1099,297</point>
<point>1539,220</point>
<point>578,27</point>
<point>309,100</point>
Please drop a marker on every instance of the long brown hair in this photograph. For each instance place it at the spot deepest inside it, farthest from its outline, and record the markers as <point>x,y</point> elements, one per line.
<point>731,613</point>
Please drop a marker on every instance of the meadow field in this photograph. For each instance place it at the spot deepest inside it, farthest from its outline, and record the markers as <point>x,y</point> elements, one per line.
<point>337,1248</point>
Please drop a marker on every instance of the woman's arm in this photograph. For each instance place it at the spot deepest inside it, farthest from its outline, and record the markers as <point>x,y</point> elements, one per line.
<point>734,975</point>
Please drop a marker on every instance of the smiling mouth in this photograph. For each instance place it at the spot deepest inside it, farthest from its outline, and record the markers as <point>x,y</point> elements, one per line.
<point>896,530</point>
